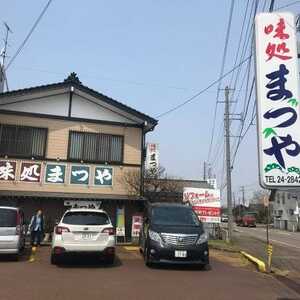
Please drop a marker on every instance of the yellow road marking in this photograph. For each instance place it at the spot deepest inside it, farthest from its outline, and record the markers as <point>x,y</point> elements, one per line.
<point>131,248</point>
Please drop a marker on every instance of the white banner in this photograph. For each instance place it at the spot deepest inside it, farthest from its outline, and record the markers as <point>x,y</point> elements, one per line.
<point>152,156</point>
<point>205,202</point>
<point>277,84</point>
<point>83,204</point>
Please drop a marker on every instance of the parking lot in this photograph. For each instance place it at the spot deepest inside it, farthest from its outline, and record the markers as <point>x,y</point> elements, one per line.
<point>128,278</point>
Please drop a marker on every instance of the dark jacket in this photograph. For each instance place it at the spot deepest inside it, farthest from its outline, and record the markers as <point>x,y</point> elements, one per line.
<point>33,223</point>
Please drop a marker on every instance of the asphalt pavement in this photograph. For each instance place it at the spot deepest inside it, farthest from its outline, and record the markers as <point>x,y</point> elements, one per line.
<point>276,237</point>
<point>86,279</point>
<point>286,249</point>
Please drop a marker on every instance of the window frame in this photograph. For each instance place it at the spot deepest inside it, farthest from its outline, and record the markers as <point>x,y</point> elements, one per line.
<point>24,156</point>
<point>98,135</point>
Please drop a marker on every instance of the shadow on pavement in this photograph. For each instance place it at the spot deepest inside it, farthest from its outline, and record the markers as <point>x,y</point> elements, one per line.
<point>176,267</point>
<point>24,256</point>
<point>90,261</point>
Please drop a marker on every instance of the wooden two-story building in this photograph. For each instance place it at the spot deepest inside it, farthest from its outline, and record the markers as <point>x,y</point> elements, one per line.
<point>65,144</point>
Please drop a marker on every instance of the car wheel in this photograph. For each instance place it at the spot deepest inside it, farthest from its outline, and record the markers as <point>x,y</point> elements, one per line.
<point>147,260</point>
<point>55,260</point>
<point>15,257</point>
<point>110,260</point>
<point>205,267</point>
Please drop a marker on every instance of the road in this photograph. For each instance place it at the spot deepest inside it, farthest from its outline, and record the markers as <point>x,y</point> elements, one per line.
<point>277,237</point>
<point>130,279</point>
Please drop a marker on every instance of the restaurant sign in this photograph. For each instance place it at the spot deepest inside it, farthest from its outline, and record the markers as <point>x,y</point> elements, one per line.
<point>277,84</point>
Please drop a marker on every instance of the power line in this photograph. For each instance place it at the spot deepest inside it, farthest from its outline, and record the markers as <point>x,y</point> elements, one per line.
<point>202,91</point>
<point>221,73</point>
<point>288,5</point>
<point>29,34</point>
<point>242,55</point>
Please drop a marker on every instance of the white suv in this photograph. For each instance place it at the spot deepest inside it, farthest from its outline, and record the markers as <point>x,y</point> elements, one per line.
<point>84,230</point>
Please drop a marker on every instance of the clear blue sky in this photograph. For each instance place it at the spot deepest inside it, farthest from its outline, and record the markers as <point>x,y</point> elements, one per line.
<point>150,55</point>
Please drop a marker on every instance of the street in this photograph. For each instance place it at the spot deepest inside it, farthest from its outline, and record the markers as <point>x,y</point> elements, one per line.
<point>286,249</point>
<point>229,278</point>
<point>277,237</point>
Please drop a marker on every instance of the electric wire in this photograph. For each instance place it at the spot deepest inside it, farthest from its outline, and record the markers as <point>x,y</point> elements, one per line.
<point>220,82</point>
<point>29,34</point>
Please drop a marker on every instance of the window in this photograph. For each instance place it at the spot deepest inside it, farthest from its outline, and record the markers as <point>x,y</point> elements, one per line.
<point>8,217</point>
<point>95,147</point>
<point>86,218</point>
<point>283,198</point>
<point>22,141</point>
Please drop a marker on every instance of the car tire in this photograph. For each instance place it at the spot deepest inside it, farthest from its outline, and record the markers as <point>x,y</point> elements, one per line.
<point>110,260</point>
<point>55,260</point>
<point>147,260</point>
<point>16,256</point>
<point>205,267</point>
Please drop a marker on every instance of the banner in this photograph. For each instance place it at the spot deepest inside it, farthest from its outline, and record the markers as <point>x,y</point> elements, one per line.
<point>277,85</point>
<point>152,157</point>
<point>205,202</point>
<point>137,221</point>
<point>120,228</point>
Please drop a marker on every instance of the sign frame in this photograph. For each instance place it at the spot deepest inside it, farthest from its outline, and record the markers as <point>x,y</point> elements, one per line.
<point>272,175</point>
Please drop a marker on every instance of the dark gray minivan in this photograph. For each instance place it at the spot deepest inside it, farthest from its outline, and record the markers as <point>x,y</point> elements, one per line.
<point>12,231</point>
<point>172,233</point>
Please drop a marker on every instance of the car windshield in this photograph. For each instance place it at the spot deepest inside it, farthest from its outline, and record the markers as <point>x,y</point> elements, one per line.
<point>8,217</point>
<point>86,218</point>
<point>174,216</point>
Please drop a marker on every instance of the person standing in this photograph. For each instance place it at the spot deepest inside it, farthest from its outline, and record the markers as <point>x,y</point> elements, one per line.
<point>37,228</point>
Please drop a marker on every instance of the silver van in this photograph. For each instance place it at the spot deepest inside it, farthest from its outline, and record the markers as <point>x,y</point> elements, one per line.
<point>12,231</point>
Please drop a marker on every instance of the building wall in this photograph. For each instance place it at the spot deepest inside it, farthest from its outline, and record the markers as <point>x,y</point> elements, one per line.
<point>57,147</point>
<point>284,208</point>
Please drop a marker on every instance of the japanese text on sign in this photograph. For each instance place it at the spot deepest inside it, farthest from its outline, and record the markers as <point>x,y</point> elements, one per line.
<point>277,100</point>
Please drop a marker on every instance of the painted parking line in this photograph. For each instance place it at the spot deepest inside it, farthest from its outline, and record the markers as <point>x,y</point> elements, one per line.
<point>131,248</point>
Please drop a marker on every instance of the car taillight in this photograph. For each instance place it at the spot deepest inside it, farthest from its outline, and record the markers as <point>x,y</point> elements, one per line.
<point>61,229</point>
<point>18,223</point>
<point>109,231</point>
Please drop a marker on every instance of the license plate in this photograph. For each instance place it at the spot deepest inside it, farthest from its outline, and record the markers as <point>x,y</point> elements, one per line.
<point>181,254</point>
<point>87,236</point>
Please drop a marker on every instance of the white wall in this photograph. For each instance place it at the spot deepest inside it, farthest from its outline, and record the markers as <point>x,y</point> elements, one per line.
<point>52,105</point>
<point>82,108</point>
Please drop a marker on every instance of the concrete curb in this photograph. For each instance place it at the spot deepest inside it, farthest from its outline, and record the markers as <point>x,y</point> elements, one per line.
<point>260,264</point>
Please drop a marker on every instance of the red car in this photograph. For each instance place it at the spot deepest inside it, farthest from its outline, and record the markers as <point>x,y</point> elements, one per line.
<point>247,220</point>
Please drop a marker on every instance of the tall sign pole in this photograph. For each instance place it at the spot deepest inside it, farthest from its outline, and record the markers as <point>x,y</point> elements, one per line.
<point>228,164</point>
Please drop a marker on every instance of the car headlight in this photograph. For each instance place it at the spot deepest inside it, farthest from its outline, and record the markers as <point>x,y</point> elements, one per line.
<point>202,238</point>
<point>154,236</point>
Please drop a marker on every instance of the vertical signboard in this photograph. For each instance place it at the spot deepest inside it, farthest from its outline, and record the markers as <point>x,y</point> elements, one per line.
<point>205,202</point>
<point>152,157</point>
<point>277,87</point>
<point>137,221</point>
<point>120,228</point>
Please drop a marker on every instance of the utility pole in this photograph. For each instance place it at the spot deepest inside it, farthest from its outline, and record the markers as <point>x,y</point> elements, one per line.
<point>204,171</point>
<point>243,194</point>
<point>228,163</point>
<point>2,62</point>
